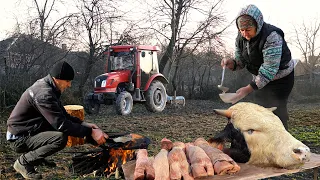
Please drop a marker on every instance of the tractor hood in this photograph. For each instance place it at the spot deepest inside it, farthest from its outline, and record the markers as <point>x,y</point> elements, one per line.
<point>108,82</point>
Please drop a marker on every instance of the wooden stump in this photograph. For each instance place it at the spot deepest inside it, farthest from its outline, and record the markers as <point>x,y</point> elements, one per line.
<point>76,111</point>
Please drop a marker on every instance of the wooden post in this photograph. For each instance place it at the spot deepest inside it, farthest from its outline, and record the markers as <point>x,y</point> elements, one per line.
<point>315,173</point>
<point>76,111</point>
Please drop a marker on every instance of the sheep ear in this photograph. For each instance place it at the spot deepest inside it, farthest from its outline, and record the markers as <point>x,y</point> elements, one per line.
<point>272,109</point>
<point>226,113</point>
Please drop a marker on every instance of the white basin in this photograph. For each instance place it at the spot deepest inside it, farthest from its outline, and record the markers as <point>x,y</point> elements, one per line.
<point>227,97</point>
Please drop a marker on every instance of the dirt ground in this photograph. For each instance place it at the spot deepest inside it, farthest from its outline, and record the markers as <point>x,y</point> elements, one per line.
<point>185,124</point>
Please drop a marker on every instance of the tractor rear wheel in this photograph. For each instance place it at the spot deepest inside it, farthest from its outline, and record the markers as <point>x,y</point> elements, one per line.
<point>156,97</point>
<point>124,103</point>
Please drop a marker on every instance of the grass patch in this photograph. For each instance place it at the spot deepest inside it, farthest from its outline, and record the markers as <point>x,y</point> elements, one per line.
<point>310,134</point>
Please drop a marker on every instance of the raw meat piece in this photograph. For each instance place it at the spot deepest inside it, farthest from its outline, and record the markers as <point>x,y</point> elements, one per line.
<point>161,163</point>
<point>144,168</point>
<point>201,165</point>
<point>223,164</point>
<point>166,144</point>
<point>179,166</point>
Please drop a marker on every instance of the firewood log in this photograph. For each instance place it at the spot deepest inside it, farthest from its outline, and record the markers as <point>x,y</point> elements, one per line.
<point>85,163</point>
<point>76,111</point>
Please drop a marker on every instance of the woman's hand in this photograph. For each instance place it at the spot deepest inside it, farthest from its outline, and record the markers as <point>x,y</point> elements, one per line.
<point>241,93</point>
<point>229,63</point>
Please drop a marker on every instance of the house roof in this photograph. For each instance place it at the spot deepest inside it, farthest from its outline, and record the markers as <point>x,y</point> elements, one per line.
<point>303,68</point>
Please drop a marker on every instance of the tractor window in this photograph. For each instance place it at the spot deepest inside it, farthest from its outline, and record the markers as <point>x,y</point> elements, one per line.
<point>121,60</point>
<point>146,61</point>
<point>155,65</point>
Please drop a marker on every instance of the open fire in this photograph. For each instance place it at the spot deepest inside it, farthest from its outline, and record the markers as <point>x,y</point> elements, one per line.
<point>117,158</point>
<point>105,159</point>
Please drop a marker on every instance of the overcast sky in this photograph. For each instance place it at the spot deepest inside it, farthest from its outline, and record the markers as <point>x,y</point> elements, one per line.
<point>281,13</point>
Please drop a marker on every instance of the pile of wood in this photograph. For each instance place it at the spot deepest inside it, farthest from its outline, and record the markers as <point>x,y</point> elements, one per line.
<point>183,160</point>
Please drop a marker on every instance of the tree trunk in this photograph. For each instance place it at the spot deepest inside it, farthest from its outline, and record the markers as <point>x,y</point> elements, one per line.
<point>165,58</point>
<point>76,111</point>
<point>84,78</point>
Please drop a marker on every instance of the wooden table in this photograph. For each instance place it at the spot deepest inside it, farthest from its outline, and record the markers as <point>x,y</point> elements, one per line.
<point>247,172</point>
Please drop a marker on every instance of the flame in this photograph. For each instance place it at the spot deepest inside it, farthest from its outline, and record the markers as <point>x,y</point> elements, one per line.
<point>121,156</point>
<point>118,157</point>
<point>136,136</point>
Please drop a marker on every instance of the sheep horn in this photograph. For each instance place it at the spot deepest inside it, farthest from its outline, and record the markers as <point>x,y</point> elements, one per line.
<point>272,109</point>
<point>223,112</point>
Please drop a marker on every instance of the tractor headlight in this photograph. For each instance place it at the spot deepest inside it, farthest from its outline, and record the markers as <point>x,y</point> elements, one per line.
<point>104,83</point>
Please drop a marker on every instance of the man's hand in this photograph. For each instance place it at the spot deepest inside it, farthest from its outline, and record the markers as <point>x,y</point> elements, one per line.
<point>241,93</point>
<point>99,136</point>
<point>228,63</point>
<point>90,125</point>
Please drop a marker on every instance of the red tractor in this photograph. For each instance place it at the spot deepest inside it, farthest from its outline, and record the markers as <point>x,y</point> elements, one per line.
<point>132,75</point>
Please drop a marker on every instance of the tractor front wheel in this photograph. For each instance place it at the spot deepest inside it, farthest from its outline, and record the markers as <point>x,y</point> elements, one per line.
<point>124,103</point>
<point>156,97</point>
<point>91,106</point>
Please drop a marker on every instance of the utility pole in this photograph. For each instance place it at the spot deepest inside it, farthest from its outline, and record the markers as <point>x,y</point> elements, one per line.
<point>110,30</point>
<point>173,48</point>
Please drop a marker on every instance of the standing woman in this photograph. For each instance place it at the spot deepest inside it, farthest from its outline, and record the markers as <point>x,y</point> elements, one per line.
<point>263,51</point>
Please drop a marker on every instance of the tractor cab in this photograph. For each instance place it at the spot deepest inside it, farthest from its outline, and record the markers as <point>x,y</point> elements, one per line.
<point>142,61</point>
<point>132,75</point>
<point>120,60</point>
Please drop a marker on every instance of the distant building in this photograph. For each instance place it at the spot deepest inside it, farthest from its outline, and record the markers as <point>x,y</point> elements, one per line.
<point>301,69</point>
<point>25,53</point>
<point>306,68</point>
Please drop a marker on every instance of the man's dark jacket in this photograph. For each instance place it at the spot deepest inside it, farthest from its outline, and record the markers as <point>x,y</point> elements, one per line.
<point>39,109</point>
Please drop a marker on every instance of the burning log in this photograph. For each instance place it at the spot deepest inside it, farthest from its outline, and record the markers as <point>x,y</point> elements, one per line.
<point>104,160</point>
<point>87,162</point>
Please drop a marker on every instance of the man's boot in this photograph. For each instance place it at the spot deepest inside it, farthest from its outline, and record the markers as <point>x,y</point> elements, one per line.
<point>27,171</point>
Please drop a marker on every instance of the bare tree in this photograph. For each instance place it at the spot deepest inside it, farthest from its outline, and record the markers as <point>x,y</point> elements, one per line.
<point>305,38</point>
<point>95,20</point>
<point>51,33</point>
<point>43,14</point>
<point>171,20</point>
<point>45,24</point>
<point>31,49</point>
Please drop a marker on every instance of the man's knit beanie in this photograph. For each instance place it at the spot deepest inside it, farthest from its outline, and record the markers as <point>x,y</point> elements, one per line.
<point>62,70</point>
